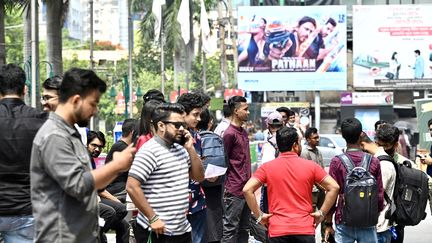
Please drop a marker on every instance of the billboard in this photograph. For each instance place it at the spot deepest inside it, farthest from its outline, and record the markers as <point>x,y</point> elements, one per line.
<point>385,41</point>
<point>292,48</point>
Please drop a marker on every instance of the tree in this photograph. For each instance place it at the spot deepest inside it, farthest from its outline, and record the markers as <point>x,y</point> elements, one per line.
<point>56,14</point>
<point>5,6</point>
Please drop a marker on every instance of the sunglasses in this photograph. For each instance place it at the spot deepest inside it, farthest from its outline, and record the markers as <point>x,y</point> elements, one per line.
<point>177,125</point>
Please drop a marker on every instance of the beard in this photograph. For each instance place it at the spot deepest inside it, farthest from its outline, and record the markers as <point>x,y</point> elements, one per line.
<point>83,123</point>
<point>172,138</point>
<point>95,154</point>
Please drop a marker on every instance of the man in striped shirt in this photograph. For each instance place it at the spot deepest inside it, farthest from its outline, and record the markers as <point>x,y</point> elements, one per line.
<point>159,178</point>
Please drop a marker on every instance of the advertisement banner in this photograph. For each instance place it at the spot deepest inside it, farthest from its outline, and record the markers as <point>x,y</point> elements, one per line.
<point>424,114</point>
<point>366,98</point>
<point>292,48</point>
<point>392,46</point>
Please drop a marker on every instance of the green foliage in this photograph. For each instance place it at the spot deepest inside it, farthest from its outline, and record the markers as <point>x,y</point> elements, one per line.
<point>14,36</point>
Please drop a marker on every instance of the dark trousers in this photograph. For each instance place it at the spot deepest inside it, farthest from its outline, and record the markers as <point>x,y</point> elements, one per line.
<point>236,220</point>
<point>400,234</point>
<point>293,239</point>
<point>113,213</point>
<point>142,236</point>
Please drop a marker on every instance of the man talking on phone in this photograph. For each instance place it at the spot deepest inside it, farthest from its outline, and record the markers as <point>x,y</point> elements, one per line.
<point>159,178</point>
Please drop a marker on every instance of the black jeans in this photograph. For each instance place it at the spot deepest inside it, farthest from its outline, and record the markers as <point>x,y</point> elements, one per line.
<point>113,213</point>
<point>236,220</point>
<point>293,239</point>
<point>142,235</point>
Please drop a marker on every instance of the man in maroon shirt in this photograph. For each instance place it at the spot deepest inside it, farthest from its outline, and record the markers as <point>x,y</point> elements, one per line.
<point>237,213</point>
<point>351,130</point>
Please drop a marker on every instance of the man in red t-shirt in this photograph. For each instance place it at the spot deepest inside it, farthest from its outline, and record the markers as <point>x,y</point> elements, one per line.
<point>289,180</point>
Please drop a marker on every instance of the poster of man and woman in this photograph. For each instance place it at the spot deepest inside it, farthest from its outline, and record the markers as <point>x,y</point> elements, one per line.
<point>392,42</point>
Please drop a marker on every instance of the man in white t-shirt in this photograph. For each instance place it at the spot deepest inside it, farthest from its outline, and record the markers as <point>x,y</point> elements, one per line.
<point>384,135</point>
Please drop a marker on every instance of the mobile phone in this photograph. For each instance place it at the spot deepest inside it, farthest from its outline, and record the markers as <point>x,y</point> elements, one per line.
<point>183,140</point>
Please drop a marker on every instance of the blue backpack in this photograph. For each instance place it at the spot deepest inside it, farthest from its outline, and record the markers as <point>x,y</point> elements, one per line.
<point>213,152</point>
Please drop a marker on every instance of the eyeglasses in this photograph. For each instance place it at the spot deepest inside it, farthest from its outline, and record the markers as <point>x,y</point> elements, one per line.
<point>97,146</point>
<point>177,125</point>
<point>48,97</point>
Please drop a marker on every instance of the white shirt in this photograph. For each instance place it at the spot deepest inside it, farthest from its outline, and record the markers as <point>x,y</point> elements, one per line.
<point>388,175</point>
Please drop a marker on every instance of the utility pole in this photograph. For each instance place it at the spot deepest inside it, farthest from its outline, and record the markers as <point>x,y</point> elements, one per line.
<point>223,59</point>
<point>162,43</point>
<point>91,36</point>
<point>92,125</point>
<point>130,47</point>
<point>35,52</point>
<point>233,40</point>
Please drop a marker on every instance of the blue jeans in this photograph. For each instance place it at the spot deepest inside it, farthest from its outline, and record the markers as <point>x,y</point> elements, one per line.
<point>198,223</point>
<point>17,229</point>
<point>347,234</point>
<point>384,237</point>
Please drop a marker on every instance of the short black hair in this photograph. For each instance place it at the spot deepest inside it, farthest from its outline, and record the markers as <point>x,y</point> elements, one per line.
<point>429,122</point>
<point>128,126</point>
<point>77,81</point>
<point>13,81</point>
<point>310,131</point>
<point>91,135</point>
<point>190,101</point>
<point>235,101</point>
<point>378,123</point>
<point>307,19</point>
<point>153,94</point>
<point>226,110</point>
<point>283,109</point>
<point>351,129</point>
<point>53,83</point>
<point>365,138</point>
<point>286,137</point>
<point>164,110</point>
<point>387,134</point>
<point>331,21</point>
<point>418,52</point>
<point>206,117</point>
<point>204,97</point>
<point>146,116</point>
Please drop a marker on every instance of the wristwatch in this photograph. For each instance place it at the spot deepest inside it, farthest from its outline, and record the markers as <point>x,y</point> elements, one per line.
<point>259,218</point>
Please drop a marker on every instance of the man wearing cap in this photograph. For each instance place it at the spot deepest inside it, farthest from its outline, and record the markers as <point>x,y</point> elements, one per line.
<point>269,150</point>
<point>274,122</point>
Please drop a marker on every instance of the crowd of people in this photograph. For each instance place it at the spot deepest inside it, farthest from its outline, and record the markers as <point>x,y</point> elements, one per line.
<point>52,190</point>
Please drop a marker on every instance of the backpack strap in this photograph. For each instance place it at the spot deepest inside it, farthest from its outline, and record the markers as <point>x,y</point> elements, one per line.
<point>346,161</point>
<point>385,157</point>
<point>366,160</point>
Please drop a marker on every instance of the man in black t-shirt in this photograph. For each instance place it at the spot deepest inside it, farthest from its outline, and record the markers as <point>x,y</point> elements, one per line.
<point>118,185</point>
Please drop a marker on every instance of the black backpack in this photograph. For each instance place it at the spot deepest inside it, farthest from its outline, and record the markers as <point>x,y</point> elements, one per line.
<point>360,207</point>
<point>410,194</point>
<point>212,152</point>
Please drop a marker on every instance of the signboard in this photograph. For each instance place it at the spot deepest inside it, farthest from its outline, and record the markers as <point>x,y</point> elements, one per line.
<point>268,108</point>
<point>292,48</point>
<point>424,114</point>
<point>366,98</point>
<point>386,39</point>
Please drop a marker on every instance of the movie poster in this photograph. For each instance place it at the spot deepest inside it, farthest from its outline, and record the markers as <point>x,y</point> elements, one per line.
<point>292,48</point>
<point>392,46</point>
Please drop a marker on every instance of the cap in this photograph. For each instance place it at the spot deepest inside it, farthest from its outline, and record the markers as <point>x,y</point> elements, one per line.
<point>153,94</point>
<point>274,118</point>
